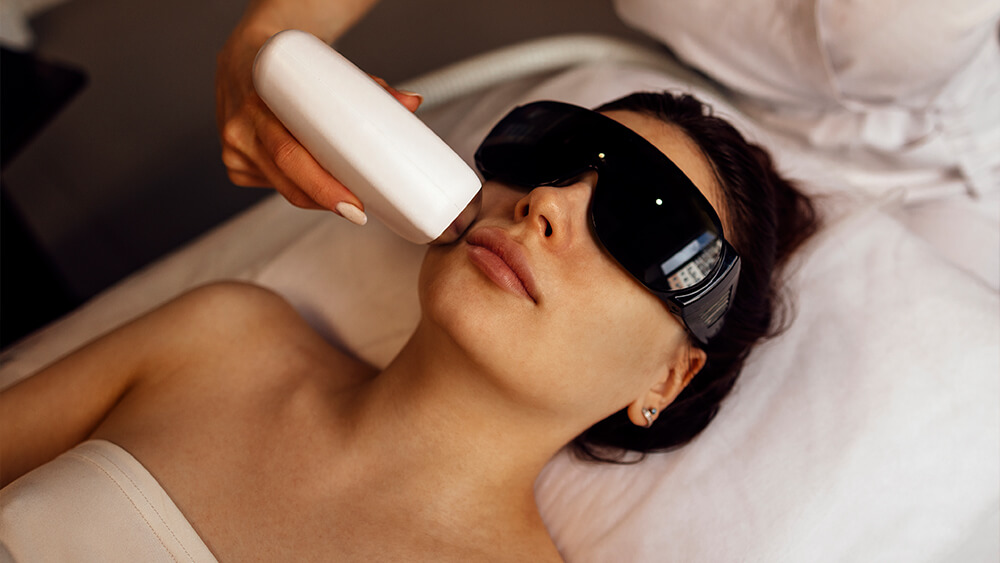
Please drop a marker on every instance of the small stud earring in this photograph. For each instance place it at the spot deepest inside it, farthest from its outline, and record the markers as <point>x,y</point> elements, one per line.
<point>649,414</point>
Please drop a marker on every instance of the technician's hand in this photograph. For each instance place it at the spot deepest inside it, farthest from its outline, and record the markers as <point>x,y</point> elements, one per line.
<point>257,149</point>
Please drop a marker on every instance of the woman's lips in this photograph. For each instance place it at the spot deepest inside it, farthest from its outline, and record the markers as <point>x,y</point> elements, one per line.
<point>502,260</point>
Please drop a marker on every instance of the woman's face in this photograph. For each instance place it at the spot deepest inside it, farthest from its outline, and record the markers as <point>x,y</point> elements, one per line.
<point>539,306</point>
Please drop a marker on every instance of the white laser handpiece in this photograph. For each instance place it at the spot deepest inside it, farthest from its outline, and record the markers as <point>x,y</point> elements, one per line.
<point>403,173</point>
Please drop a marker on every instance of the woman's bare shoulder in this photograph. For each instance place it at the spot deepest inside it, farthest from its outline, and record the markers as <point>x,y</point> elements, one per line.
<point>227,307</point>
<point>236,346</point>
<point>212,351</point>
<point>237,320</point>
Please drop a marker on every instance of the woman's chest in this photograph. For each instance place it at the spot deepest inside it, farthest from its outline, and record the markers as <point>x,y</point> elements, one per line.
<point>288,507</point>
<point>272,490</point>
<point>278,495</point>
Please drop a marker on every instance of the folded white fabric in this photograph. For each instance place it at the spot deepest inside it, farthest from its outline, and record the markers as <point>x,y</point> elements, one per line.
<point>906,89</point>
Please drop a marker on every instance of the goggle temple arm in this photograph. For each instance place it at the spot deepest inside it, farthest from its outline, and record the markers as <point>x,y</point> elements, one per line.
<point>703,313</point>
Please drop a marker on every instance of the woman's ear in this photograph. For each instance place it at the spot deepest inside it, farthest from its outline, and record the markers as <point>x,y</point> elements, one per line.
<point>673,379</point>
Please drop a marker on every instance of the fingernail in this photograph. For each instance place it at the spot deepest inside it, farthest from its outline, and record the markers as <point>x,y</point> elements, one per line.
<point>352,213</point>
<point>408,93</point>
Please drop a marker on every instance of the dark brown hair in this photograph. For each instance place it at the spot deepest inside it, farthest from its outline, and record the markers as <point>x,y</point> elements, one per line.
<point>768,219</point>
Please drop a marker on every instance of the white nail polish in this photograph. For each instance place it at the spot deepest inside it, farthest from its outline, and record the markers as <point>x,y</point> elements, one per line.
<point>414,94</point>
<point>352,213</point>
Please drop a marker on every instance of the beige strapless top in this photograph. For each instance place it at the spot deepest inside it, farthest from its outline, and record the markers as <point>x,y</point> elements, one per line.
<point>94,503</point>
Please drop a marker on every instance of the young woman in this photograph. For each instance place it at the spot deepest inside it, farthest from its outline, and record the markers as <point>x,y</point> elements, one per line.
<point>622,267</point>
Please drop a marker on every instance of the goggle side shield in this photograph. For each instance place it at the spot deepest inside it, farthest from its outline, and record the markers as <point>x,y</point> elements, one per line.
<point>645,211</point>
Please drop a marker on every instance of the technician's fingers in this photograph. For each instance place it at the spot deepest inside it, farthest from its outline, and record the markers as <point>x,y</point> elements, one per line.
<point>292,193</point>
<point>248,180</point>
<point>410,100</point>
<point>249,164</point>
<point>239,147</point>
<point>288,189</point>
<point>242,171</point>
<point>295,165</point>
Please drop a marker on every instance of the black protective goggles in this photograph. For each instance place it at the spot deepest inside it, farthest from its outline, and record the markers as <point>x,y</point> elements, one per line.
<point>644,211</point>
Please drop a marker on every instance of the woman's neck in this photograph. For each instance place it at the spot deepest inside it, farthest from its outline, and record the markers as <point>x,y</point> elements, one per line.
<point>444,440</point>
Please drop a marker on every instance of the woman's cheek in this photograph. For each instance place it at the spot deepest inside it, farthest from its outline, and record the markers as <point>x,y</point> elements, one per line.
<point>613,327</point>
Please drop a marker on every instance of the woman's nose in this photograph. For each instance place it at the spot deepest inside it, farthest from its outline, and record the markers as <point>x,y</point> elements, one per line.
<point>558,214</point>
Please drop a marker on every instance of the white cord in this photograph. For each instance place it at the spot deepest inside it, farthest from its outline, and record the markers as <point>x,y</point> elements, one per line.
<point>530,58</point>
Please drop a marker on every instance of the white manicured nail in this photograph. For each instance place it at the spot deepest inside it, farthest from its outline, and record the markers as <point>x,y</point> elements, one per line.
<point>352,213</point>
<point>414,94</point>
